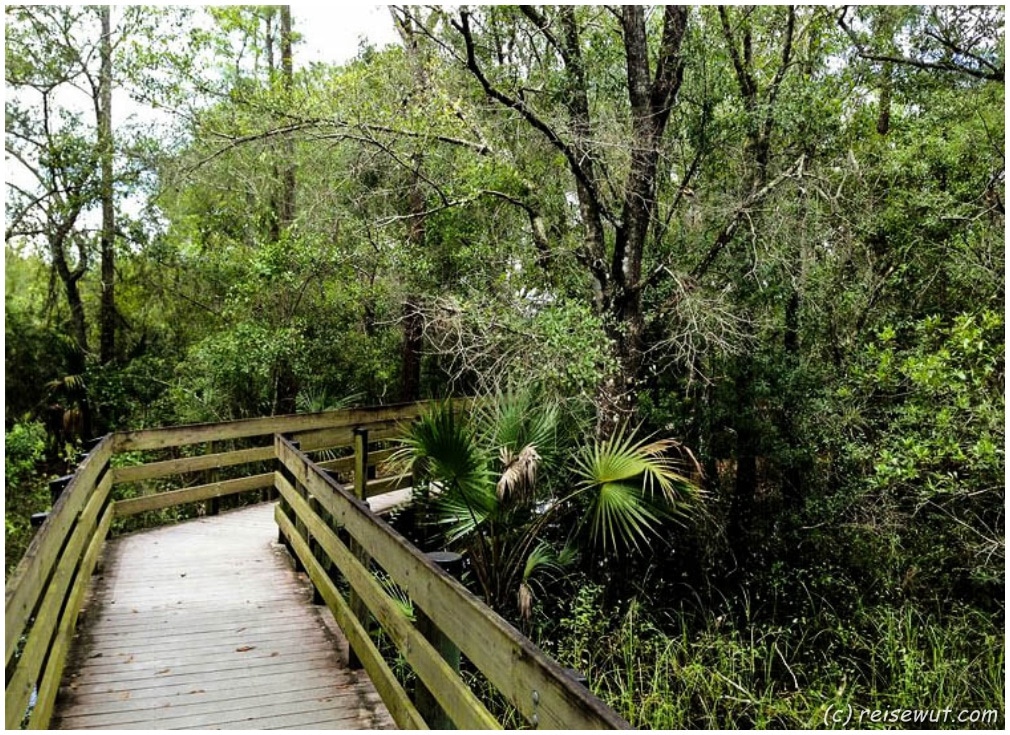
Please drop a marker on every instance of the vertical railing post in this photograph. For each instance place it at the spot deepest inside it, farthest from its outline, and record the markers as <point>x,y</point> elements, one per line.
<point>357,605</point>
<point>282,504</point>
<point>430,709</point>
<point>214,504</point>
<point>317,553</point>
<point>57,486</point>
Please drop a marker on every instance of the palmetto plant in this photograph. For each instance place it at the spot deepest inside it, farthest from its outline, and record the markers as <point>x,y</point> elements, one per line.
<point>514,490</point>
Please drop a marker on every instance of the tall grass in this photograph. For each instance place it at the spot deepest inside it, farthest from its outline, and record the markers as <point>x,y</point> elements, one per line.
<point>685,671</point>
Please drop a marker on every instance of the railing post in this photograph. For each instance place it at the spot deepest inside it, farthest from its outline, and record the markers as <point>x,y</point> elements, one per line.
<point>357,605</point>
<point>214,504</point>
<point>317,553</point>
<point>281,538</point>
<point>57,486</point>
<point>430,710</point>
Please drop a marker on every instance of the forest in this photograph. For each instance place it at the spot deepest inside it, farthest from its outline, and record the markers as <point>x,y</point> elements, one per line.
<point>727,281</point>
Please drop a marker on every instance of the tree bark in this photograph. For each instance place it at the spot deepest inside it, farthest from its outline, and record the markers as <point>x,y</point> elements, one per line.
<point>618,285</point>
<point>287,385</point>
<point>286,209</point>
<point>652,98</point>
<point>413,333</point>
<point>107,320</point>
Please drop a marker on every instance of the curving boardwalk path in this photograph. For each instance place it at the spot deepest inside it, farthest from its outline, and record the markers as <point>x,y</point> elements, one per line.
<point>204,625</point>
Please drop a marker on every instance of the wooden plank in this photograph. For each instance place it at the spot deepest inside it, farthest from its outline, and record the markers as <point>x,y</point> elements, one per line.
<point>22,682</point>
<point>26,583</point>
<point>330,437</point>
<point>387,485</point>
<point>357,605</point>
<point>396,700</point>
<point>193,494</point>
<point>236,708</point>
<point>173,677</point>
<point>346,464</point>
<point>195,433</point>
<point>535,684</point>
<point>108,695</point>
<point>388,502</point>
<point>463,708</point>
<point>152,470</point>
<point>311,656</point>
<point>50,682</point>
<point>342,436</point>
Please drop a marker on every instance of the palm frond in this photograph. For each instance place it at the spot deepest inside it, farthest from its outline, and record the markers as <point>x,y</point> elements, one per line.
<point>463,515</point>
<point>632,484</point>
<point>517,419</point>
<point>541,559</point>
<point>619,516</point>
<point>519,476</point>
<point>441,447</point>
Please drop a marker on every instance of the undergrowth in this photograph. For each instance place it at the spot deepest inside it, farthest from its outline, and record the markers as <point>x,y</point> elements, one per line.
<point>681,670</point>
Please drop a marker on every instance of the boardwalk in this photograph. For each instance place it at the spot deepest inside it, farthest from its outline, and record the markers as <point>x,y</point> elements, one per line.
<point>203,625</point>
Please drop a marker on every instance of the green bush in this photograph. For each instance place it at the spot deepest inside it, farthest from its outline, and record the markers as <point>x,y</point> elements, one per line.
<point>24,492</point>
<point>24,447</point>
<point>921,493</point>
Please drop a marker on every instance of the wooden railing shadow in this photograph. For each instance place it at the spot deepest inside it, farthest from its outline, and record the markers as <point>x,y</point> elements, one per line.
<point>332,535</point>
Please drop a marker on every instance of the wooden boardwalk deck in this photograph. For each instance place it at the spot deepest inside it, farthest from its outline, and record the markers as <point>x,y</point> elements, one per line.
<point>203,625</point>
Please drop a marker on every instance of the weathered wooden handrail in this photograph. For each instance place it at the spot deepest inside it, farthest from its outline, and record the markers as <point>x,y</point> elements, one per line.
<point>44,593</point>
<point>537,686</point>
<point>324,430</point>
<point>315,430</point>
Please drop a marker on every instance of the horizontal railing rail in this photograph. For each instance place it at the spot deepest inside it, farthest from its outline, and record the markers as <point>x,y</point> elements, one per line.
<point>315,432</point>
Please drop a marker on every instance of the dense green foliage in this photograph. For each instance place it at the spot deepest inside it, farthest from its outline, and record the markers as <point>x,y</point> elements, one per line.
<point>770,238</point>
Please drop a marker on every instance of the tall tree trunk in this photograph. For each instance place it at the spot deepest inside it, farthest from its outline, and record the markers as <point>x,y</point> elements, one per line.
<point>69,279</point>
<point>412,345</point>
<point>107,320</point>
<point>618,285</point>
<point>286,210</point>
<point>413,333</point>
<point>652,99</point>
<point>886,84</point>
<point>287,385</point>
<point>742,520</point>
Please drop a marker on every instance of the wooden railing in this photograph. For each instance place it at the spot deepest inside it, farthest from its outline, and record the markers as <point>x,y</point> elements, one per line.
<point>542,692</point>
<point>333,536</point>
<point>44,593</point>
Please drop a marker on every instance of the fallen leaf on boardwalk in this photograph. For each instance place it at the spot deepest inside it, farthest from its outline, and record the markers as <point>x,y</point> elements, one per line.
<point>275,653</point>
<point>240,630</point>
<point>124,695</point>
<point>243,649</point>
<point>163,671</point>
<point>96,655</point>
<point>198,691</point>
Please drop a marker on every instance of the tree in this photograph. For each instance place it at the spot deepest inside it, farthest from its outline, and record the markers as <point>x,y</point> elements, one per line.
<point>651,96</point>
<point>70,171</point>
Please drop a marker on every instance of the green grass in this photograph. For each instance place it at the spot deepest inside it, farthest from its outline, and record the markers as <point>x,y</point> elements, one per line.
<point>685,672</point>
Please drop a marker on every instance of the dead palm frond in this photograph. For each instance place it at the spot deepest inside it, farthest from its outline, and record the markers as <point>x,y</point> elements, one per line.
<point>519,476</point>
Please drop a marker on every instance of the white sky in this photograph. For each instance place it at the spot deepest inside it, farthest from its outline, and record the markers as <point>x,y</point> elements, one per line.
<point>331,32</point>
